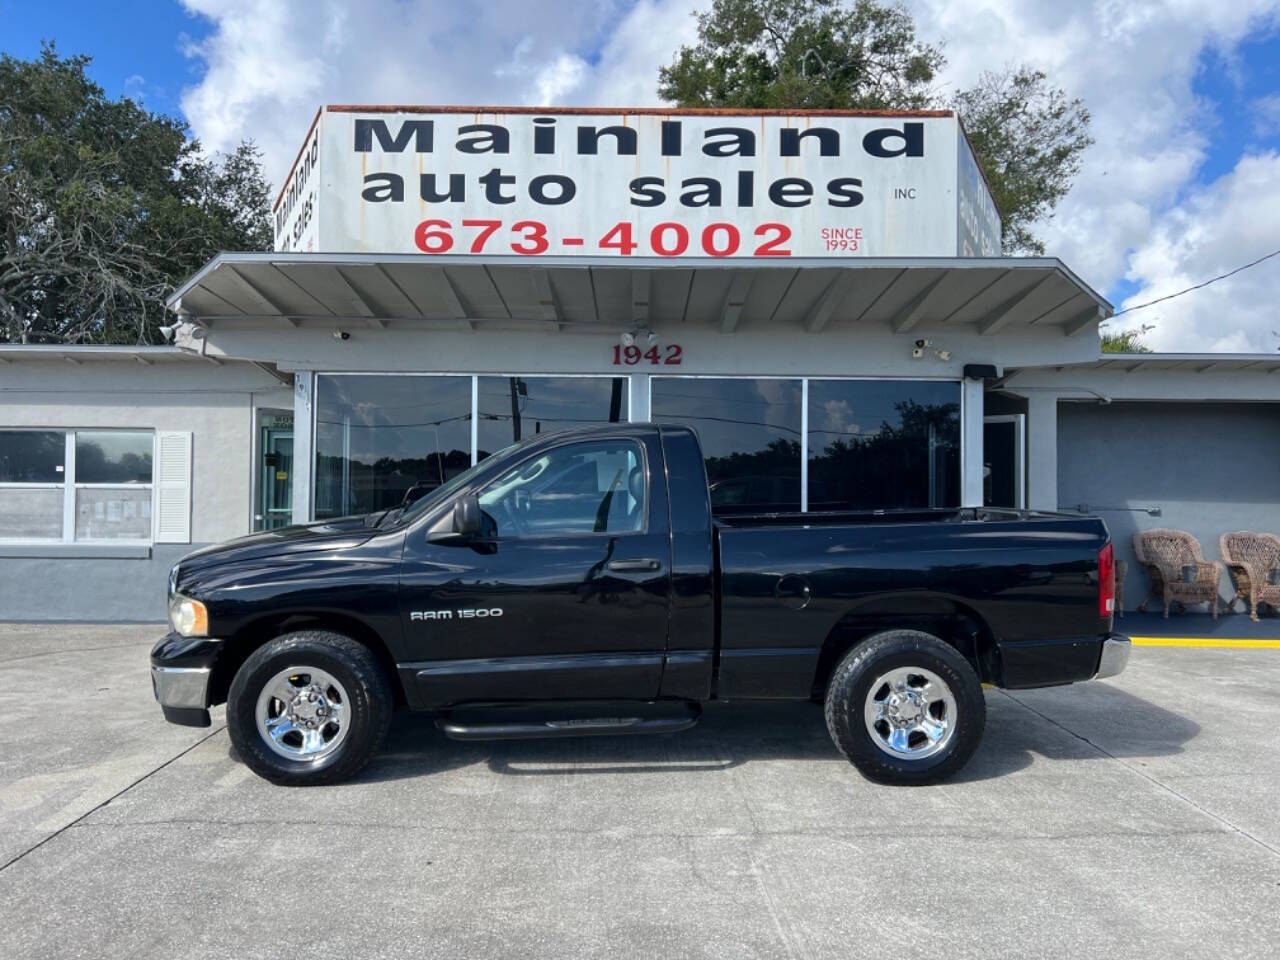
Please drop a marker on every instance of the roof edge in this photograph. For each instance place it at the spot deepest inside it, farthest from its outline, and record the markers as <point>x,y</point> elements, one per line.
<point>625,111</point>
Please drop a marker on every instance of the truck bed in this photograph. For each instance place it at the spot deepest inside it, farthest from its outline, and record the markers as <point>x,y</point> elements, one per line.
<point>785,598</point>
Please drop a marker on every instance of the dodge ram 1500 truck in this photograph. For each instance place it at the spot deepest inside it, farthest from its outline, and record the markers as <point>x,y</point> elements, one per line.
<point>577,583</point>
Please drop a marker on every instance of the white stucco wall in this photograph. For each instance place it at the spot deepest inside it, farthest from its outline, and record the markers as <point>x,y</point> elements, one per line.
<point>215,403</point>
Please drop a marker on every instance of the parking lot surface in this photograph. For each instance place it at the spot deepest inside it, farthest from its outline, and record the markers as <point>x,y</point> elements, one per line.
<point>1135,817</point>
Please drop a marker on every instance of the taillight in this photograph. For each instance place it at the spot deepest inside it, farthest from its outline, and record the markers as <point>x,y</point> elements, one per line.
<point>1107,581</point>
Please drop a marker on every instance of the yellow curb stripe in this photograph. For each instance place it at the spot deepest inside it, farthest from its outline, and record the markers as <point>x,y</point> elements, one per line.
<point>1204,642</point>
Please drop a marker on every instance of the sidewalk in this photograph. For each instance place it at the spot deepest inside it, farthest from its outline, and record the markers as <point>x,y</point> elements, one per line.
<point>1198,625</point>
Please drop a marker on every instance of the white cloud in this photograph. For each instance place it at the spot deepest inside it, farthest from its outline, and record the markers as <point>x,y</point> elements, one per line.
<point>1217,228</point>
<point>270,63</point>
<point>1266,114</point>
<point>1134,64</point>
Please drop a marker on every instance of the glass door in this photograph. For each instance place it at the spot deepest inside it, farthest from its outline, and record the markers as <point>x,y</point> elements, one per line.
<point>275,506</point>
<point>1004,472</point>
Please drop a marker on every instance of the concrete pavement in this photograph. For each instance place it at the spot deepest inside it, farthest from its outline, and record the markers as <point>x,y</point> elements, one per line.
<point>1135,817</point>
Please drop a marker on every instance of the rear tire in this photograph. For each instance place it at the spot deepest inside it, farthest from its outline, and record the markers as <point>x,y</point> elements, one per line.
<point>905,708</point>
<point>309,708</point>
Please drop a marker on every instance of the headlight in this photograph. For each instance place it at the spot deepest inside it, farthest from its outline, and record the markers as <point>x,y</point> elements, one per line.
<point>188,617</point>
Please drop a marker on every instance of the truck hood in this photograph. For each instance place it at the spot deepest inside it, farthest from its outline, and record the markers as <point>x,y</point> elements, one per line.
<point>342,533</point>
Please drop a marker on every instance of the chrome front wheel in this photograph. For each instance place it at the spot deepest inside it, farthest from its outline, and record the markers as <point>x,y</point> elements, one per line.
<point>303,713</point>
<point>309,707</point>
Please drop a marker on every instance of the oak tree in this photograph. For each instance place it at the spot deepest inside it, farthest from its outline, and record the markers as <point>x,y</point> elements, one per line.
<point>106,206</point>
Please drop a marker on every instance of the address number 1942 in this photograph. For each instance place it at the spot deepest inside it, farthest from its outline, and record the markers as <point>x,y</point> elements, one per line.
<point>667,355</point>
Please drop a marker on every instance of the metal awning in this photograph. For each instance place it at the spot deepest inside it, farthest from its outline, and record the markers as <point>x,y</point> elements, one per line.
<point>988,296</point>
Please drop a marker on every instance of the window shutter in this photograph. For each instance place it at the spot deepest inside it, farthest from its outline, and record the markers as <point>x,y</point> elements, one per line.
<point>173,487</point>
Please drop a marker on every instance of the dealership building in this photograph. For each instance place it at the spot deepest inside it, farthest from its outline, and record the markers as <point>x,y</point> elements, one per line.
<point>820,296</point>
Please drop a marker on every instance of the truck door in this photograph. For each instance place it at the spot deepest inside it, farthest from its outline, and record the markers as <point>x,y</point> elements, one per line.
<point>569,597</point>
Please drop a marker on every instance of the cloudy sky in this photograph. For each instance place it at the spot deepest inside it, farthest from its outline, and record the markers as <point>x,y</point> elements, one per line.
<point>1183,183</point>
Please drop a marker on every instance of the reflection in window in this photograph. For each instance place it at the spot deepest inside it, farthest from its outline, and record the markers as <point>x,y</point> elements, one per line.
<point>31,456</point>
<point>883,444</point>
<point>376,437</point>
<point>516,408</point>
<point>113,456</point>
<point>574,489</point>
<point>750,434</point>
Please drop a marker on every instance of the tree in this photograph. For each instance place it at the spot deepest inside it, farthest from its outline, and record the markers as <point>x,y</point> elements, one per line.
<point>1028,138</point>
<point>1027,135</point>
<point>1125,341</point>
<point>812,54</point>
<point>106,207</point>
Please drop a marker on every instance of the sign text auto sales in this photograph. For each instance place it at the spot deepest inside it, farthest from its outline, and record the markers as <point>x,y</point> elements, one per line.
<point>648,183</point>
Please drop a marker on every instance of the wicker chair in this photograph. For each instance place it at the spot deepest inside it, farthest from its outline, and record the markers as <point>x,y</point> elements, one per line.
<point>1165,553</point>
<point>1252,558</point>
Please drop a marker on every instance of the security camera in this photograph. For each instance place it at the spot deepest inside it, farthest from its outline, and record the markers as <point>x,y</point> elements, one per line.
<point>651,339</point>
<point>921,344</point>
<point>628,339</point>
<point>944,355</point>
<point>918,352</point>
<point>341,335</point>
<point>168,331</point>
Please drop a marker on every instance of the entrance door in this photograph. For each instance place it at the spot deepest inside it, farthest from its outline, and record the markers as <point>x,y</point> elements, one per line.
<point>1003,443</point>
<point>567,596</point>
<point>275,483</point>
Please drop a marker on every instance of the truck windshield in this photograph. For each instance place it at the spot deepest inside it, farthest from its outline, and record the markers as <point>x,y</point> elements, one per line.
<point>446,489</point>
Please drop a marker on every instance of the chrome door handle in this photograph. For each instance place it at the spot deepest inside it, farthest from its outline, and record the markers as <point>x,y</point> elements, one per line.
<point>634,566</point>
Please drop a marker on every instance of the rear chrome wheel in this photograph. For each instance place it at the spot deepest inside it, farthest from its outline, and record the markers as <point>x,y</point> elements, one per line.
<point>910,713</point>
<point>905,707</point>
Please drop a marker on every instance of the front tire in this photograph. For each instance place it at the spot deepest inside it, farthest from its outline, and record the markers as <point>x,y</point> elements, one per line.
<point>309,708</point>
<point>905,708</point>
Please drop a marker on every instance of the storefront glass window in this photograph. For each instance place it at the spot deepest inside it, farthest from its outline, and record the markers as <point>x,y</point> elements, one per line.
<point>516,408</point>
<point>750,434</point>
<point>377,437</point>
<point>883,444</point>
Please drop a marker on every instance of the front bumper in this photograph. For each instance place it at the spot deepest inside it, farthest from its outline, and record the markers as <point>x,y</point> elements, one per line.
<point>1115,656</point>
<point>180,671</point>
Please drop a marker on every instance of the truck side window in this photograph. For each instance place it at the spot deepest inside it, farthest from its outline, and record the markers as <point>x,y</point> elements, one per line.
<point>579,488</point>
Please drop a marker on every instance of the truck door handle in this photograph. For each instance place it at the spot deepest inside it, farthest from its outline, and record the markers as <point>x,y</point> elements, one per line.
<point>634,566</point>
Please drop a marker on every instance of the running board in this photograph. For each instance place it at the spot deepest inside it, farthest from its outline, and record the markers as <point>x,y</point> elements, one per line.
<point>541,722</point>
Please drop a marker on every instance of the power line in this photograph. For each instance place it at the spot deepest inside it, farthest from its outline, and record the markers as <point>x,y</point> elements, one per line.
<point>1221,276</point>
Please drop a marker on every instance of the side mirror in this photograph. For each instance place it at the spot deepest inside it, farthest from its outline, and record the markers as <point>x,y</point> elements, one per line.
<point>465,527</point>
<point>466,516</point>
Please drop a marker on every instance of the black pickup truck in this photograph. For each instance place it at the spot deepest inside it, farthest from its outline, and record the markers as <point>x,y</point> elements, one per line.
<point>578,583</point>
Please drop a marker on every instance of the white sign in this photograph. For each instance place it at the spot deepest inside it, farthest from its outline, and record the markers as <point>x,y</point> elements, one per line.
<point>643,183</point>
<point>296,214</point>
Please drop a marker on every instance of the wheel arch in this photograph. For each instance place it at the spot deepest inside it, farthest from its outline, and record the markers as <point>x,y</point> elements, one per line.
<point>947,618</point>
<point>253,635</point>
